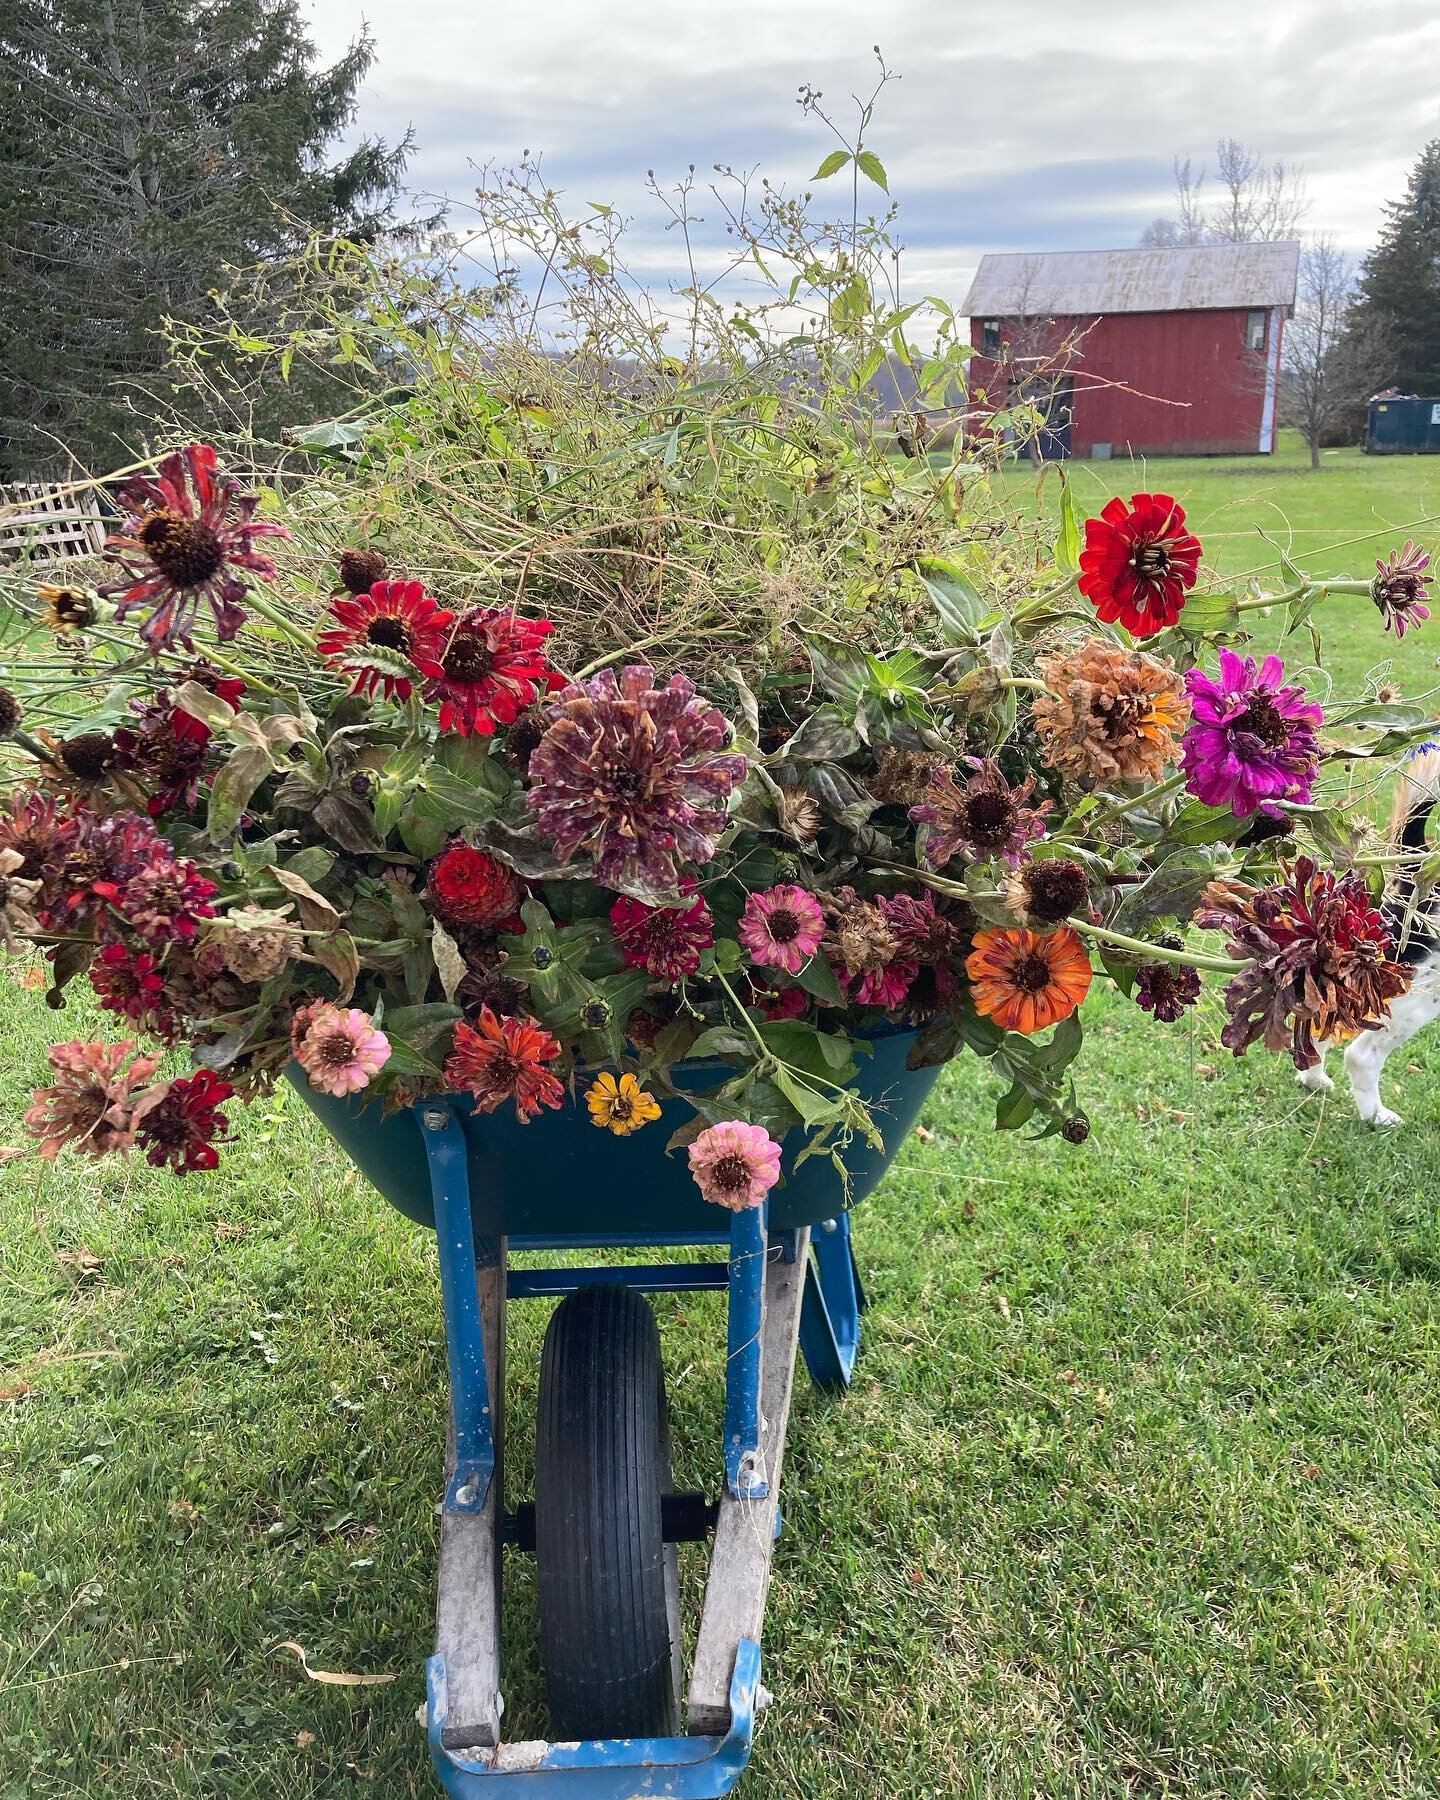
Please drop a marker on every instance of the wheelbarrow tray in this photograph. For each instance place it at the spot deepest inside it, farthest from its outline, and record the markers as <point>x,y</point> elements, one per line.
<point>560,1176</point>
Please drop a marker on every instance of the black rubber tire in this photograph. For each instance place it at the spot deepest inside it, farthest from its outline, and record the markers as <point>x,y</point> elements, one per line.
<point>608,1582</point>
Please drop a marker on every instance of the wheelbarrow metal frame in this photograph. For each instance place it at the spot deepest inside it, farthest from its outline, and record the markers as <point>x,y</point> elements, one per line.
<point>777,1295</point>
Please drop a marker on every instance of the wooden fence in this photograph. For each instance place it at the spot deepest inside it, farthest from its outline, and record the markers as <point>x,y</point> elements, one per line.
<point>43,521</point>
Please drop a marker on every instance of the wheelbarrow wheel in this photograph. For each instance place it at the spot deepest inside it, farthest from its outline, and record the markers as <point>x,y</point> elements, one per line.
<point>608,1581</point>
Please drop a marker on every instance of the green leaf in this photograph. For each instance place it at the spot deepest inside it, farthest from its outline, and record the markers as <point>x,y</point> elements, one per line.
<point>961,609</point>
<point>1171,892</point>
<point>1198,823</point>
<point>1014,1109</point>
<point>1207,614</point>
<point>818,978</point>
<point>832,165</point>
<point>1067,545</point>
<point>869,164</point>
<point>1381,714</point>
<point>721,1040</point>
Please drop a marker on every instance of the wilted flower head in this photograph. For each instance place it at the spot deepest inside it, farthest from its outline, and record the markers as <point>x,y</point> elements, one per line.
<point>360,568</point>
<point>635,776</point>
<point>1252,739</point>
<point>93,1100</point>
<point>188,535</point>
<point>89,756</point>
<point>864,947</point>
<point>17,897</point>
<point>179,1128</point>
<point>164,900</point>
<point>131,983</point>
<point>666,941</point>
<point>65,609</point>
<point>496,1060</point>
<point>1166,989</point>
<point>1047,892</point>
<point>735,1165</point>
<point>163,755</point>
<point>1322,961</point>
<point>11,713</point>
<point>1399,588</point>
<point>981,818</point>
<point>1109,714</point>
<point>342,1050</point>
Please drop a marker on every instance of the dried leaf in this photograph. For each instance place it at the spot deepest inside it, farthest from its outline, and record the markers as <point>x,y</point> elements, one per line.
<point>327,1676</point>
<point>336,953</point>
<point>316,912</point>
<point>82,1259</point>
<point>19,1390</point>
<point>450,964</point>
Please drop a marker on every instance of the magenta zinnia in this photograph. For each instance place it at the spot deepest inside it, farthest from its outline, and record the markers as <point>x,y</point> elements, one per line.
<point>164,900</point>
<point>380,635</point>
<point>734,1164</point>
<point>782,928</point>
<point>666,941</point>
<point>1399,588</point>
<point>342,1050</point>
<point>1251,739</point>
<point>980,818</point>
<point>1322,963</point>
<point>188,534</point>
<point>178,1130</point>
<point>490,667</point>
<point>636,776</point>
<point>92,1102</point>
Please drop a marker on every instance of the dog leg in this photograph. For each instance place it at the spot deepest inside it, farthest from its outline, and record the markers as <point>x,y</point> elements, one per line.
<point>1316,1081</point>
<point>1365,1057</point>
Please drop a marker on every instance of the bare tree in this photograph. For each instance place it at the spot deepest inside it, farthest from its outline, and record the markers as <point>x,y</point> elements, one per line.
<point>1255,201</point>
<point>1332,362</point>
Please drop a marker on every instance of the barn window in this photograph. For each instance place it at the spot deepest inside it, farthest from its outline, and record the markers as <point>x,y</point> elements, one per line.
<point>990,338</point>
<point>1255,323</point>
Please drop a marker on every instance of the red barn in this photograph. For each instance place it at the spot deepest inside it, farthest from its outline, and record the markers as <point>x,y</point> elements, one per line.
<point>1171,352</point>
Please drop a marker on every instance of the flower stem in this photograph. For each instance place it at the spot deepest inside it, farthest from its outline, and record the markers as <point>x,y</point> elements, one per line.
<point>266,611</point>
<point>1086,827</point>
<point>1218,965</point>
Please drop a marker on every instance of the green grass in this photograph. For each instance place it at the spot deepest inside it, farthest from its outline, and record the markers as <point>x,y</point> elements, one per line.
<point>1137,1491</point>
<point>1334,521</point>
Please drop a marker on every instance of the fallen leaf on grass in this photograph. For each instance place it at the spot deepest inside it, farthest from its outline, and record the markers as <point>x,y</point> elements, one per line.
<point>925,1135</point>
<point>328,1676</point>
<point>304,1739</point>
<point>82,1259</point>
<point>34,978</point>
<point>8,1152</point>
<point>20,1390</point>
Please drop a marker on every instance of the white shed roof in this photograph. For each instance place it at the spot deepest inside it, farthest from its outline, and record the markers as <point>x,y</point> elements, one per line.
<point>1185,278</point>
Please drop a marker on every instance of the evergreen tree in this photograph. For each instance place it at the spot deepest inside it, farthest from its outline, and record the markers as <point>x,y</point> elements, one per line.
<point>1400,280</point>
<point>147,144</point>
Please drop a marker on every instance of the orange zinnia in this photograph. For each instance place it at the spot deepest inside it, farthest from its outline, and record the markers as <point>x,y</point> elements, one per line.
<point>1026,980</point>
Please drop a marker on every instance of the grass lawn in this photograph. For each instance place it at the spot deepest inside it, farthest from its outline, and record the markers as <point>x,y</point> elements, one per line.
<point>1137,1491</point>
<point>1334,521</point>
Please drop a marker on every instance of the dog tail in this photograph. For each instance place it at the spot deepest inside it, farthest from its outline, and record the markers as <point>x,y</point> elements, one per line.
<point>1415,798</point>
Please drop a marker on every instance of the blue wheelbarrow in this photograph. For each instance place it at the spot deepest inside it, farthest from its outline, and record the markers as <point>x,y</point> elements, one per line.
<point>606,1518</point>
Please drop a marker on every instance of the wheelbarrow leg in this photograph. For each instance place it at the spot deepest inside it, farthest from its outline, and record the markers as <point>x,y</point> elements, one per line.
<point>466,1664</point>
<point>834,1298</point>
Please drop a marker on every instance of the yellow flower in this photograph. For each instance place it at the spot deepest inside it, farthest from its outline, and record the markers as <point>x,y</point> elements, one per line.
<point>620,1106</point>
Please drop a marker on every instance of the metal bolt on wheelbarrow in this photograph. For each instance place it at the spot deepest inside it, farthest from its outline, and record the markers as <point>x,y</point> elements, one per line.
<point>606,1521</point>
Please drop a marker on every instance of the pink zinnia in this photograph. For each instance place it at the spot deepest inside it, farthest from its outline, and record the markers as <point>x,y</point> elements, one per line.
<point>342,1050</point>
<point>885,987</point>
<point>782,928</point>
<point>735,1164</point>
<point>665,941</point>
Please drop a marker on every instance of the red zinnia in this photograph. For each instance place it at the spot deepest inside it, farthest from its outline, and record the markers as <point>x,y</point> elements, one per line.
<point>665,941</point>
<point>1139,562</point>
<point>501,1059</point>
<point>130,983</point>
<point>383,632</point>
<point>471,887</point>
<point>179,1130</point>
<point>228,688</point>
<point>490,670</point>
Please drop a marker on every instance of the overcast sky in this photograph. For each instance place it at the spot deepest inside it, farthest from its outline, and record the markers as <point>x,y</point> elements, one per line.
<point>1048,125</point>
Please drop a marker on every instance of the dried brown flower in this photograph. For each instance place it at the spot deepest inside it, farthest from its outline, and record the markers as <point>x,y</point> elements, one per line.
<point>1110,714</point>
<point>903,775</point>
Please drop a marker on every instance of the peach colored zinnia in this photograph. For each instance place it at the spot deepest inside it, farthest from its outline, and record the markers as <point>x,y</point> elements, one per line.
<point>94,1100</point>
<point>342,1050</point>
<point>735,1164</point>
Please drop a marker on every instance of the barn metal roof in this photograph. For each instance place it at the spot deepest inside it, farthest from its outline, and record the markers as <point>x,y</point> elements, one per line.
<point>1185,278</point>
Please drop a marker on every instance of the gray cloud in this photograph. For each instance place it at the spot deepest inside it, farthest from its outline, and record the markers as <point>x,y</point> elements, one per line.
<point>1045,127</point>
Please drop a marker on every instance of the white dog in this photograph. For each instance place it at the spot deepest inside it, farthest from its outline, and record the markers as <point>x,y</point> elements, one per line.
<point>1418,934</point>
